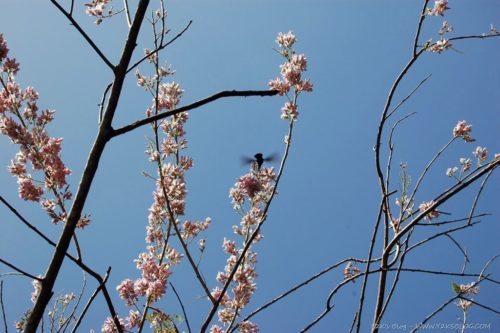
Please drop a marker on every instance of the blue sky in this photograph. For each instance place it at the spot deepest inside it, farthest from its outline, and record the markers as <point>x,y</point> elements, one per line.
<point>328,198</point>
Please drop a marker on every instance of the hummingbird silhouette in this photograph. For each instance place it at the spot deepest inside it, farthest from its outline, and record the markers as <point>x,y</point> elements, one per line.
<point>259,160</point>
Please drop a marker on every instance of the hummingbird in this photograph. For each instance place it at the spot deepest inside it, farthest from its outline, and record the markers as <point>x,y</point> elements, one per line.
<point>259,160</point>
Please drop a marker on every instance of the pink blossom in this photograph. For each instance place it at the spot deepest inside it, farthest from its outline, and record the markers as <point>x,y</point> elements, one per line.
<point>16,133</point>
<point>37,285</point>
<point>4,50</point>
<point>440,46</point>
<point>440,6</point>
<point>445,27</point>
<point>28,191</point>
<point>110,327</point>
<point>225,315</point>
<point>216,329</point>
<point>281,86</point>
<point>305,85</point>
<point>481,153</point>
<point>350,271</point>
<point>249,184</point>
<point>96,7</point>
<point>285,40</point>
<point>17,169</point>
<point>289,111</point>
<point>431,214</point>
<point>216,293</point>
<point>10,66</point>
<point>170,95</point>
<point>154,276</point>
<point>133,319</point>
<point>229,246</point>
<point>466,164</point>
<point>83,222</point>
<point>46,117</point>
<point>469,288</point>
<point>463,130</point>
<point>248,327</point>
<point>291,73</point>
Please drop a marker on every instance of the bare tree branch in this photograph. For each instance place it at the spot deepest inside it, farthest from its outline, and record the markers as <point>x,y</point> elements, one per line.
<point>159,48</point>
<point>88,174</point>
<point>100,287</point>
<point>83,33</point>
<point>419,27</point>
<point>222,94</point>
<point>182,307</point>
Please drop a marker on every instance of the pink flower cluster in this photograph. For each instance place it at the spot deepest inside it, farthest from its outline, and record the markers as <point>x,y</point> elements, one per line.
<point>350,271</point>
<point>25,125</point>
<point>440,6</point>
<point>169,201</point>
<point>243,287</point>
<point>291,75</point>
<point>424,206</point>
<point>481,153</point>
<point>110,327</point>
<point>96,9</point>
<point>463,130</point>
<point>466,290</point>
<point>256,188</point>
<point>151,284</point>
<point>440,46</point>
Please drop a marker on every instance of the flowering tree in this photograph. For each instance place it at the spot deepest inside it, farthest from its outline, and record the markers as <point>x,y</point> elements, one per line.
<point>172,239</point>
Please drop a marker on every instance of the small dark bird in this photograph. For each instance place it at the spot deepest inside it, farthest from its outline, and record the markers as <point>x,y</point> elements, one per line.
<point>259,159</point>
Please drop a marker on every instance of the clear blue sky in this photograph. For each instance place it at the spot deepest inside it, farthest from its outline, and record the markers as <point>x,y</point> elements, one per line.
<point>328,197</point>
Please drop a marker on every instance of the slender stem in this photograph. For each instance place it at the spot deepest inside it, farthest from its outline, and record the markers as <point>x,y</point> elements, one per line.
<point>19,270</point>
<point>159,48</point>
<point>127,13</point>
<point>182,307</point>
<point>476,199</point>
<point>91,299</point>
<point>419,27</point>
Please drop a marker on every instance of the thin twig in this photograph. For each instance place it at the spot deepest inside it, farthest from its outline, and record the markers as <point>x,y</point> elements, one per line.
<point>481,305</point>
<point>91,299</point>
<point>426,169</point>
<point>442,198</point>
<point>127,13</point>
<point>182,307</point>
<point>396,278</point>
<point>475,36</point>
<point>361,301</point>
<point>158,49</point>
<point>438,224</point>
<point>83,33</point>
<point>20,271</point>
<point>419,27</point>
<point>300,285</point>
<point>408,97</point>
<point>476,199</point>
<point>442,306</point>
<point>103,100</point>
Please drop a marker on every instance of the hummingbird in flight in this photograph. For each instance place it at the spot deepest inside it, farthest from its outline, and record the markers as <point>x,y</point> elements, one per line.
<point>259,160</point>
